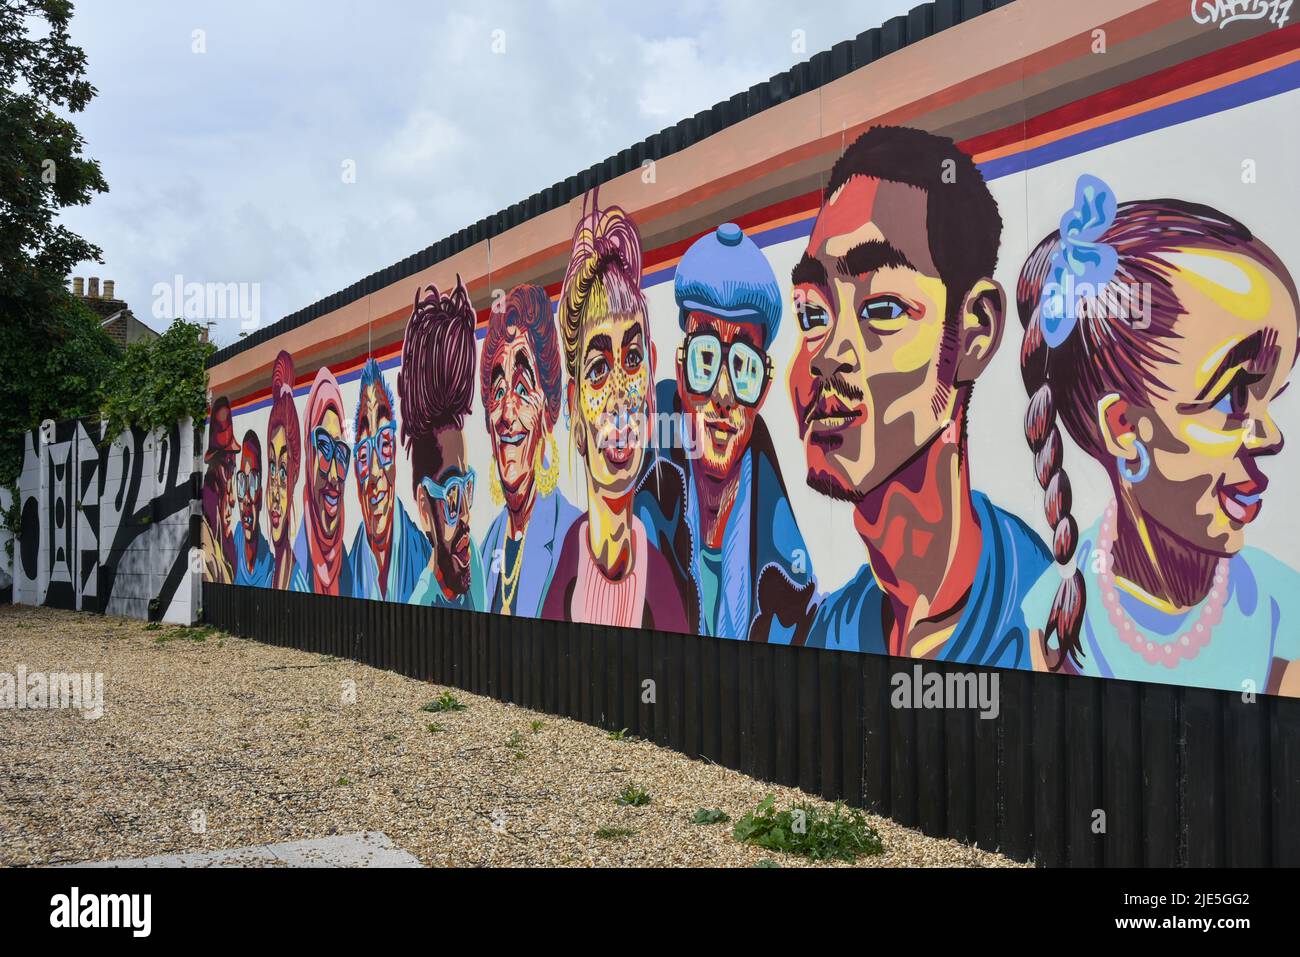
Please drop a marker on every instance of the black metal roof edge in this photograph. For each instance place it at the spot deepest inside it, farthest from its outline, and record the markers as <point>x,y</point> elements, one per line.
<point>920,22</point>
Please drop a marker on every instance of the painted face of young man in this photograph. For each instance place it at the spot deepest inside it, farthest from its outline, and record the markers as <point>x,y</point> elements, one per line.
<point>376,445</point>
<point>277,485</point>
<point>447,523</point>
<point>249,490</point>
<point>328,477</point>
<point>866,379</point>
<point>611,402</point>
<point>515,404</point>
<point>1209,430</point>
<point>724,424</point>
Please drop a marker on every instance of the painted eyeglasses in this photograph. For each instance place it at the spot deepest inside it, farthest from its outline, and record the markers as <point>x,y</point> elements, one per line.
<point>457,490</point>
<point>246,483</point>
<point>379,447</point>
<point>705,355</point>
<point>329,449</point>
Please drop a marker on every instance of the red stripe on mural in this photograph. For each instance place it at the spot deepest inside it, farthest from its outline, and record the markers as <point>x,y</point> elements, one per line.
<point>1144,88</point>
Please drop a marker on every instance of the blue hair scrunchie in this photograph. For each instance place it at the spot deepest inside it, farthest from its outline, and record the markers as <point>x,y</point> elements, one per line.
<point>1080,260</point>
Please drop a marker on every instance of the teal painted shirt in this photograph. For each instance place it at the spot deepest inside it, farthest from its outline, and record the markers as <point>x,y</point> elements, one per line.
<point>427,591</point>
<point>1258,625</point>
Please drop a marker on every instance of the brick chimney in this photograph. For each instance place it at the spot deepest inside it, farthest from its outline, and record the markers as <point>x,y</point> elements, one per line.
<point>78,287</point>
<point>108,288</point>
<point>93,292</point>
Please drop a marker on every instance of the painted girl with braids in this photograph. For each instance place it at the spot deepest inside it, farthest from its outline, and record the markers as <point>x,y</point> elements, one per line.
<point>608,571</point>
<point>1159,332</point>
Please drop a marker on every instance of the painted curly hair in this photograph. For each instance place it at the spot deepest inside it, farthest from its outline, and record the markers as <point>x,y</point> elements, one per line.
<point>527,308</point>
<point>435,384</point>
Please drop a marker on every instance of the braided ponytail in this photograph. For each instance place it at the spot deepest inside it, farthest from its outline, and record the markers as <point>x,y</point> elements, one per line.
<point>1066,616</point>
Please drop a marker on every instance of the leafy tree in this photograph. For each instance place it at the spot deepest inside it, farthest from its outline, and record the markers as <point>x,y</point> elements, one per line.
<point>159,382</point>
<point>54,374</point>
<point>42,169</point>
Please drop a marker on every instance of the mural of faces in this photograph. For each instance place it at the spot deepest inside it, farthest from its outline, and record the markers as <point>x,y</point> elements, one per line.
<point>877,370</point>
<point>866,380</point>
<point>722,381</point>
<point>612,401</point>
<point>515,416</point>
<point>375,459</point>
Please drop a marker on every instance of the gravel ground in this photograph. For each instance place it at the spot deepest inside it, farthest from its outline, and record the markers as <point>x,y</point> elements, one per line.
<point>261,743</point>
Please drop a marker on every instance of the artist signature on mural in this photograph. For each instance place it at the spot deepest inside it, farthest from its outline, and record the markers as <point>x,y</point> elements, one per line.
<point>1224,12</point>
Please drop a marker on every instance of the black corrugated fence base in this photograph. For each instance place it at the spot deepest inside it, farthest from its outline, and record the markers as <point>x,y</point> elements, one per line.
<point>1070,771</point>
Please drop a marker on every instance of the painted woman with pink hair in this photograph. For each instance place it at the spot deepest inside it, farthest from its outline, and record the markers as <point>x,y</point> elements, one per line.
<point>1159,333</point>
<point>320,552</point>
<point>283,459</point>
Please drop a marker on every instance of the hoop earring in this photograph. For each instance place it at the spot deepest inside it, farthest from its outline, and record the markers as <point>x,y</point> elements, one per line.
<point>494,485</point>
<point>548,476</point>
<point>1144,463</point>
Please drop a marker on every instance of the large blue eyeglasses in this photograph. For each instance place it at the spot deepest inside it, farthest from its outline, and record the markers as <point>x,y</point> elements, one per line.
<point>456,491</point>
<point>704,356</point>
<point>381,447</point>
<point>329,449</point>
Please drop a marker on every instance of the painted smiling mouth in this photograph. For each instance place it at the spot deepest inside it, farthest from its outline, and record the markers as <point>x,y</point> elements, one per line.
<point>1241,501</point>
<point>513,438</point>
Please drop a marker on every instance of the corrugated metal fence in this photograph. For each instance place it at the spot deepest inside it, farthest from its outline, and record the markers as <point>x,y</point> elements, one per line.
<point>1072,771</point>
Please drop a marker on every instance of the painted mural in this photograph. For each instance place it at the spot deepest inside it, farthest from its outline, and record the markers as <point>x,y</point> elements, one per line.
<point>772,438</point>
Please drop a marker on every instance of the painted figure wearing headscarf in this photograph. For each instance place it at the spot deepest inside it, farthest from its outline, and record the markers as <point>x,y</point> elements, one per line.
<point>321,556</point>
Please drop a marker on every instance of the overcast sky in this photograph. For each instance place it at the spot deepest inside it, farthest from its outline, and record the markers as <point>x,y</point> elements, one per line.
<point>227,165</point>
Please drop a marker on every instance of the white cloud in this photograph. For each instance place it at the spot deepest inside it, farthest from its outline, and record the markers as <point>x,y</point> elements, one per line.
<point>225,166</point>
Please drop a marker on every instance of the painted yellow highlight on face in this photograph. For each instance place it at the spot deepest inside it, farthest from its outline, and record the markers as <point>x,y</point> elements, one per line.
<point>1232,281</point>
<point>1212,361</point>
<point>924,344</point>
<point>1212,442</point>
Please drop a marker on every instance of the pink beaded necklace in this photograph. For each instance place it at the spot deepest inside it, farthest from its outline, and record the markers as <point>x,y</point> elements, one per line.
<point>1187,645</point>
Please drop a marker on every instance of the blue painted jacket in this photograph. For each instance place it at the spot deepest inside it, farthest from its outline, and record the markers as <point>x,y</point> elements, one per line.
<point>550,521</point>
<point>410,557</point>
<point>263,561</point>
<point>761,532</point>
<point>991,630</point>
